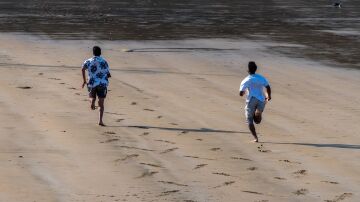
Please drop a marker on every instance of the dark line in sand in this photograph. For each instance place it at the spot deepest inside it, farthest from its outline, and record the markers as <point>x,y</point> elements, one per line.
<point>173,183</point>
<point>225,184</point>
<point>200,166</point>
<point>340,198</point>
<point>196,157</point>
<point>147,174</point>
<point>166,141</point>
<point>128,147</point>
<point>253,192</point>
<point>127,157</point>
<point>180,48</point>
<point>169,150</point>
<point>223,174</point>
<point>239,158</point>
<point>152,165</point>
<point>165,193</point>
<point>184,130</point>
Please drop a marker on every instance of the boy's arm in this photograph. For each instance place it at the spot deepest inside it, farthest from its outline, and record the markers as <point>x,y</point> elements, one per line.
<point>268,91</point>
<point>243,87</point>
<point>84,77</point>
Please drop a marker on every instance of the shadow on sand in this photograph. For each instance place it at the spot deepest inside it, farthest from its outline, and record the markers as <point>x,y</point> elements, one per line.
<point>342,146</point>
<point>197,130</point>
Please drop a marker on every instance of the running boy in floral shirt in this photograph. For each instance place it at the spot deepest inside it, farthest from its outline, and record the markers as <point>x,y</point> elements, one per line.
<point>98,74</point>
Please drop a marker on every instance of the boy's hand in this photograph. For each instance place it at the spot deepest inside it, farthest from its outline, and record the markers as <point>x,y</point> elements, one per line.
<point>84,83</point>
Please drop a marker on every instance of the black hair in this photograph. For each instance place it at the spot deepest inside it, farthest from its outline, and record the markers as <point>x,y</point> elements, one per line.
<point>96,51</point>
<point>252,67</point>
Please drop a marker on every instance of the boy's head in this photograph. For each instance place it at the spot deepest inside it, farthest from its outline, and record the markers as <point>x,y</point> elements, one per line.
<point>96,51</point>
<point>252,67</point>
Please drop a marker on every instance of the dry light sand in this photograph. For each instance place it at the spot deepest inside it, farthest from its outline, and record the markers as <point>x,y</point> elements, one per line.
<point>176,128</point>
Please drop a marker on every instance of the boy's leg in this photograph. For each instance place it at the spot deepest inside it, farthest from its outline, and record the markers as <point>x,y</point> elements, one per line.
<point>102,95</point>
<point>258,112</point>
<point>92,96</point>
<point>101,111</point>
<point>257,116</point>
<point>249,113</point>
<point>253,132</point>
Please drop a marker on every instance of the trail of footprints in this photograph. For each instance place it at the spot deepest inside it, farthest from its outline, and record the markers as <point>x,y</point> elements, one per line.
<point>149,173</point>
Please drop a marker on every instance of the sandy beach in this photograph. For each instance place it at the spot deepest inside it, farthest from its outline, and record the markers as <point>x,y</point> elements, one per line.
<point>176,127</point>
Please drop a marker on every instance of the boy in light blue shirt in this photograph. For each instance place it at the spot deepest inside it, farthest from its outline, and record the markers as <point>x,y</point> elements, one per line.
<point>254,84</point>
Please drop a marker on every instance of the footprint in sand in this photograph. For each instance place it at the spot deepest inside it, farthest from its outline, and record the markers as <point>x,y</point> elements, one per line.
<point>145,134</point>
<point>174,124</point>
<point>133,103</point>
<point>169,150</point>
<point>252,168</point>
<point>261,149</point>
<point>253,192</point>
<point>225,184</point>
<point>119,120</point>
<point>300,172</point>
<point>199,139</point>
<point>166,141</point>
<point>152,165</point>
<point>173,183</point>
<point>240,158</point>
<point>109,133</point>
<point>72,88</point>
<point>165,193</point>
<point>62,83</point>
<point>130,156</point>
<point>330,182</point>
<point>301,192</point>
<point>24,87</point>
<point>183,132</point>
<point>223,174</point>
<point>136,148</point>
<point>110,140</point>
<point>196,157</point>
<point>279,178</point>
<point>150,110</point>
<point>288,161</point>
<point>159,117</point>
<point>340,198</point>
<point>215,149</point>
<point>200,166</point>
<point>147,173</point>
<point>57,79</point>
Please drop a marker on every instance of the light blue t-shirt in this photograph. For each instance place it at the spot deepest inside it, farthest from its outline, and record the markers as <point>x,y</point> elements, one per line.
<point>254,84</point>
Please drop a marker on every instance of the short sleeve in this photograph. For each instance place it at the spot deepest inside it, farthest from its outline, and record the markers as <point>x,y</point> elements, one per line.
<point>86,64</point>
<point>244,85</point>
<point>265,82</point>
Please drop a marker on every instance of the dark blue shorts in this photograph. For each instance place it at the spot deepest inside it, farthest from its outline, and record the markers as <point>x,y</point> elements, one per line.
<point>99,91</point>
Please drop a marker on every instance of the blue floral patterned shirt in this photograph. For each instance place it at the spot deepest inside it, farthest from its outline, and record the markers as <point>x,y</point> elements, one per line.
<point>98,71</point>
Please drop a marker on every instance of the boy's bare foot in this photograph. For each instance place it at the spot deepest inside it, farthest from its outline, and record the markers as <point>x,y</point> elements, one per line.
<point>102,124</point>
<point>256,140</point>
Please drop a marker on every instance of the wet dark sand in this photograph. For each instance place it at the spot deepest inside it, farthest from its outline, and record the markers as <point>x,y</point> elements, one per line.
<point>323,32</point>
